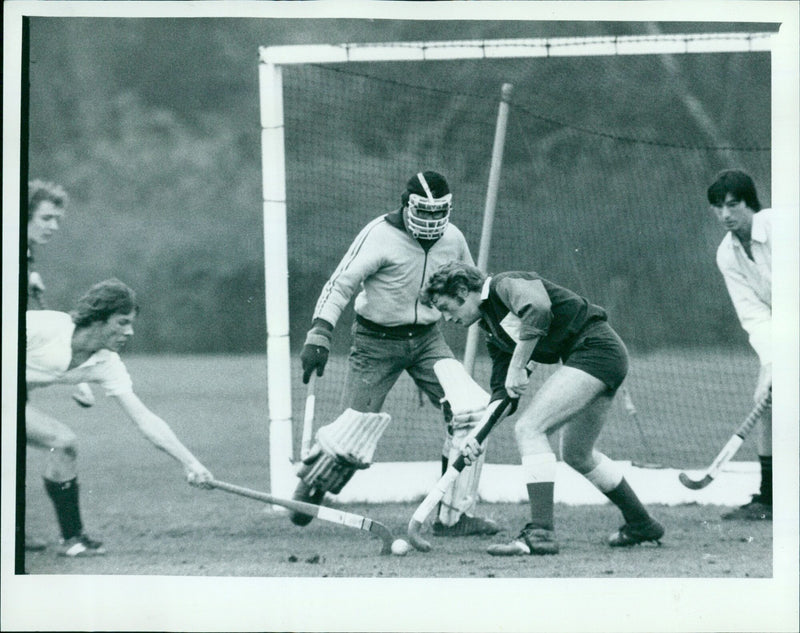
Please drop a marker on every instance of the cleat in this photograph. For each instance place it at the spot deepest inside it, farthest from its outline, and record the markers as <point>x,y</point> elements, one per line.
<point>635,533</point>
<point>33,544</point>
<point>81,546</point>
<point>83,395</point>
<point>466,526</point>
<point>754,510</point>
<point>308,495</point>
<point>531,541</point>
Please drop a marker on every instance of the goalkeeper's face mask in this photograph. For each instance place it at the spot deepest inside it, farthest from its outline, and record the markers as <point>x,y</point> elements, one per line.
<point>426,217</point>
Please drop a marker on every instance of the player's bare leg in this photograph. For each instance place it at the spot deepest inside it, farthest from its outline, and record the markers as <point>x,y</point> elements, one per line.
<point>566,393</point>
<point>577,449</point>
<point>61,480</point>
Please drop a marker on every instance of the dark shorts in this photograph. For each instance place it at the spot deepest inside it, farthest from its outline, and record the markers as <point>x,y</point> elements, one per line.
<point>600,352</point>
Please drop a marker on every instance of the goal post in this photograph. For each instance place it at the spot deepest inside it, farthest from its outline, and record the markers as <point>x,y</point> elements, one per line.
<point>321,211</point>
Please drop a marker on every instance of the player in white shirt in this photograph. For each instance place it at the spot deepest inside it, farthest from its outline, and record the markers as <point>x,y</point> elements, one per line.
<point>47,203</point>
<point>83,347</point>
<point>744,258</point>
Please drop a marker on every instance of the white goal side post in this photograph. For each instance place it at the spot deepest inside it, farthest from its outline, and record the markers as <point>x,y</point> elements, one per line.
<point>272,60</point>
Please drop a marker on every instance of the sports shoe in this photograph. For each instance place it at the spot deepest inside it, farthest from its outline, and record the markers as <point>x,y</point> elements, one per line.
<point>466,526</point>
<point>308,495</point>
<point>83,395</point>
<point>635,533</point>
<point>754,510</point>
<point>33,544</point>
<point>531,540</point>
<point>81,546</point>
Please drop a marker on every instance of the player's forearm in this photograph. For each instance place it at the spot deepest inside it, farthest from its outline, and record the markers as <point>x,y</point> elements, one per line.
<point>158,432</point>
<point>522,353</point>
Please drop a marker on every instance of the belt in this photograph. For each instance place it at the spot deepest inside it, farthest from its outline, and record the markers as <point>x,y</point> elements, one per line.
<point>398,332</point>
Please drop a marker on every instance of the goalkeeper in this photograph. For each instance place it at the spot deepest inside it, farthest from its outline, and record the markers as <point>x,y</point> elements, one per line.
<point>527,318</point>
<point>386,265</point>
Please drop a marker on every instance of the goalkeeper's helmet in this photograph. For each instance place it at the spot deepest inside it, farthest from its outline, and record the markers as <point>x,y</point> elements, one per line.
<point>429,202</point>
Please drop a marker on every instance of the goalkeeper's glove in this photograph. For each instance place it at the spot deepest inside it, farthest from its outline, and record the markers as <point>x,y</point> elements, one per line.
<point>314,355</point>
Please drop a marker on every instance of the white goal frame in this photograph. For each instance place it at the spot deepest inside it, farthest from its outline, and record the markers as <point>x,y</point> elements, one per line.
<point>375,484</point>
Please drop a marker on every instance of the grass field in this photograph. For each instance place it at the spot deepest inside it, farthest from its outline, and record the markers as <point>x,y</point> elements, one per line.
<point>154,524</point>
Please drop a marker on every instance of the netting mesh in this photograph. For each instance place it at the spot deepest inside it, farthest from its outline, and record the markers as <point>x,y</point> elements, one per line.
<point>606,164</point>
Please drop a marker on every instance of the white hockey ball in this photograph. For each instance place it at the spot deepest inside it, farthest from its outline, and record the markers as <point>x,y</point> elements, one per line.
<point>400,547</point>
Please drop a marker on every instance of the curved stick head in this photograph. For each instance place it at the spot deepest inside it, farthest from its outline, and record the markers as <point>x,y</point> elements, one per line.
<point>415,537</point>
<point>692,484</point>
<point>383,533</point>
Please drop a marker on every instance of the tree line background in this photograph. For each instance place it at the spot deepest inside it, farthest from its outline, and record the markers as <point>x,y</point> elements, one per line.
<point>152,125</point>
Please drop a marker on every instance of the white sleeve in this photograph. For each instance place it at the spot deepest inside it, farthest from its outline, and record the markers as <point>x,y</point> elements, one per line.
<point>110,372</point>
<point>360,261</point>
<point>755,316</point>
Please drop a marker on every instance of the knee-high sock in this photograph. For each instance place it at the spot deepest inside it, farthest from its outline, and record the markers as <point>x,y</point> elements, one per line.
<point>64,495</point>
<point>607,478</point>
<point>540,470</point>
<point>766,478</point>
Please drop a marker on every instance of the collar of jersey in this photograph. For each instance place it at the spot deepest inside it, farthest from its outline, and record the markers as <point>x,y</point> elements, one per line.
<point>485,289</point>
<point>758,233</point>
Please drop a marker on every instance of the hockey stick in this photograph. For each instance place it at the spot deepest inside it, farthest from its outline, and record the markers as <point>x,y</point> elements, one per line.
<point>446,480</point>
<point>308,417</point>
<point>730,448</point>
<point>341,517</point>
<point>633,414</point>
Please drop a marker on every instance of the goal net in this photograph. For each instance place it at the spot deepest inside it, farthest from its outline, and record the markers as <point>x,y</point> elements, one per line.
<point>610,145</point>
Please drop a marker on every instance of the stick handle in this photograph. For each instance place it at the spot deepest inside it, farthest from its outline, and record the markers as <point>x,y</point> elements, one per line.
<point>725,455</point>
<point>308,417</point>
<point>733,444</point>
<point>333,515</point>
<point>484,430</point>
<point>446,480</point>
<point>755,415</point>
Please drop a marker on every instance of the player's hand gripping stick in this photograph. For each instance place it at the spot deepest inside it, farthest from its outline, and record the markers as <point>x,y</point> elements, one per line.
<point>435,495</point>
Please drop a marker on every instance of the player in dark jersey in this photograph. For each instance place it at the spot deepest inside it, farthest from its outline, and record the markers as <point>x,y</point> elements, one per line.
<point>527,318</point>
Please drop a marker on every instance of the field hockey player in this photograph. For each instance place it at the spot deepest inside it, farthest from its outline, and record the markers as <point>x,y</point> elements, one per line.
<point>385,268</point>
<point>527,318</point>
<point>84,347</point>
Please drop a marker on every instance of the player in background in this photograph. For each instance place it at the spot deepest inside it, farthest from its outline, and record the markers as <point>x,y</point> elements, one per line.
<point>47,203</point>
<point>744,257</point>
<point>527,318</point>
<point>387,265</point>
<point>77,347</point>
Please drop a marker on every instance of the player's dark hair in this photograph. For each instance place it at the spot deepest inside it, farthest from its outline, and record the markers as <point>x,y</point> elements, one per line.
<point>738,184</point>
<point>449,277</point>
<point>104,300</point>
<point>41,191</point>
